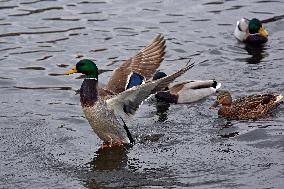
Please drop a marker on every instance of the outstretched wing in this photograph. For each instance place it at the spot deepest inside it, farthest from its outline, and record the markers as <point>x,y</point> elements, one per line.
<point>129,101</point>
<point>145,63</point>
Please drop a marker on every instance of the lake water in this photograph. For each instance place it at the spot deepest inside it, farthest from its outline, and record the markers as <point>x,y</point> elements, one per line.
<point>45,142</point>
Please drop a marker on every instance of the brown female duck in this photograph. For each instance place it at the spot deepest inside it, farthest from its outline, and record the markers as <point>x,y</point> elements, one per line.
<point>248,107</point>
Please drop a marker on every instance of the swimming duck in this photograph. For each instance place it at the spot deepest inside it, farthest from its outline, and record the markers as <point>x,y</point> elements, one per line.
<point>106,108</point>
<point>251,31</point>
<point>248,107</point>
<point>186,91</point>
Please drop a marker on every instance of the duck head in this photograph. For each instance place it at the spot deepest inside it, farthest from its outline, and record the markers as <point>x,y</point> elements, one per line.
<point>255,26</point>
<point>85,66</point>
<point>159,75</point>
<point>223,98</point>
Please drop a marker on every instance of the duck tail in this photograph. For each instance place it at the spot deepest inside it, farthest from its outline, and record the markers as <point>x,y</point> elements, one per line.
<point>216,85</point>
<point>278,98</point>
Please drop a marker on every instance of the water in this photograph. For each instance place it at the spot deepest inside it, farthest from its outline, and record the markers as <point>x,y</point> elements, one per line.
<point>47,143</point>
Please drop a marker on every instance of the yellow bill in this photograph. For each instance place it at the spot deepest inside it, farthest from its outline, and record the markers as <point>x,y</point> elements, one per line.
<point>263,32</point>
<point>73,70</point>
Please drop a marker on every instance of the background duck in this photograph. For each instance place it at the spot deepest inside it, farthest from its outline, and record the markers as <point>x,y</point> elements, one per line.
<point>248,107</point>
<point>186,91</point>
<point>182,92</point>
<point>106,113</point>
<point>251,31</point>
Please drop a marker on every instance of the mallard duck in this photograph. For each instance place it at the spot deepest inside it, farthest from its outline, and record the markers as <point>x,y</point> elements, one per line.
<point>106,112</point>
<point>186,91</point>
<point>106,108</point>
<point>248,107</point>
<point>183,92</point>
<point>251,31</point>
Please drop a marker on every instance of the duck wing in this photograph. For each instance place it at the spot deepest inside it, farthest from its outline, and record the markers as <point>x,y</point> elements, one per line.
<point>127,102</point>
<point>145,63</point>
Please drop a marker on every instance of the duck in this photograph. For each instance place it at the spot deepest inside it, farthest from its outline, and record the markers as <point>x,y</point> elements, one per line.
<point>248,107</point>
<point>107,108</point>
<point>106,112</point>
<point>183,92</point>
<point>186,91</point>
<point>251,31</point>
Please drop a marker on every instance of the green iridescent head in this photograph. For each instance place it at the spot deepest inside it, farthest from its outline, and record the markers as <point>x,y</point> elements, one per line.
<point>85,66</point>
<point>255,26</point>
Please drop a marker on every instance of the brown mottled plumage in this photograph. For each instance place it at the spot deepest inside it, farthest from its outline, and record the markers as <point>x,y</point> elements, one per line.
<point>248,107</point>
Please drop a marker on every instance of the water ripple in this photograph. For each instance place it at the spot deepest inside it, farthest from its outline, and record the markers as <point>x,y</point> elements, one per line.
<point>92,2</point>
<point>36,11</point>
<point>62,19</point>
<point>44,88</point>
<point>34,2</point>
<point>44,58</point>
<point>39,32</point>
<point>7,7</point>
<point>10,48</point>
<point>35,51</point>
<point>54,41</point>
<point>32,68</point>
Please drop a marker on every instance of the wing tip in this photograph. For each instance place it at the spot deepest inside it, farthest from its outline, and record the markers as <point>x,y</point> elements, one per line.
<point>216,85</point>
<point>278,98</point>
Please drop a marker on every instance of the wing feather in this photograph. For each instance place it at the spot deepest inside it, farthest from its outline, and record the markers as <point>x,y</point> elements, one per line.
<point>145,63</point>
<point>129,101</point>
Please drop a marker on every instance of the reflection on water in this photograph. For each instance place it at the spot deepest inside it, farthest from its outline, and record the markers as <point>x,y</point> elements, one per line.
<point>110,158</point>
<point>228,130</point>
<point>257,53</point>
<point>162,110</point>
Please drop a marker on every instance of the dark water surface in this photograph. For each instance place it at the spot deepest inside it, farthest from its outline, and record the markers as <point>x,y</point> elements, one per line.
<point>45,142</point>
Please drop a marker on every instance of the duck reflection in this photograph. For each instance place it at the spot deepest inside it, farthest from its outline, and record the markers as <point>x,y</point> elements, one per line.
<point>228,133</point>
<point>227,130</point>
<point>162,110</point>
<point>106,166</point>
<point>257,53</point>
<point>113,158</point>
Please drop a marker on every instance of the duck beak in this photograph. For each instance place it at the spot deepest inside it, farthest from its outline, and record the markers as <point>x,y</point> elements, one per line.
<point>73,70</point>
<point>216,103</point>
<point>263,32</point>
